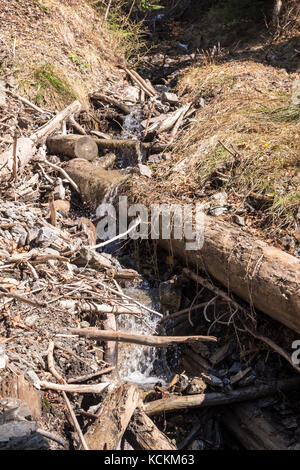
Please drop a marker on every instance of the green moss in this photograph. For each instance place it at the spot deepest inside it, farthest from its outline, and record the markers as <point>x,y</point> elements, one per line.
<point>48,81</point>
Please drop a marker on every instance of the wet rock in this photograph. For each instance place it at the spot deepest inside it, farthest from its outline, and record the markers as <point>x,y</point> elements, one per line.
<point>107,161</point>
<point>212,380</point>
<point>196,445</point>
<point>144,170</point>
<point>171,98</point>
<point>170,295</point>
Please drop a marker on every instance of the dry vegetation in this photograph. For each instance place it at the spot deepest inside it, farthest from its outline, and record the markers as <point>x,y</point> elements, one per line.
<point>56,52</point>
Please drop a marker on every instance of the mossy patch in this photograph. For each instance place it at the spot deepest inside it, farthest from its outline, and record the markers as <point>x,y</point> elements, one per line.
<point>52,85</point>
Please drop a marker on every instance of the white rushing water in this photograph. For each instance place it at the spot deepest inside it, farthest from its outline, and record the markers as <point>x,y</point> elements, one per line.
<point>141,364</point>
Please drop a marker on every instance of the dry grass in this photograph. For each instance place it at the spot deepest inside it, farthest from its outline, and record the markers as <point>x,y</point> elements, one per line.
<point>62,50</point>
<point>245,141</point>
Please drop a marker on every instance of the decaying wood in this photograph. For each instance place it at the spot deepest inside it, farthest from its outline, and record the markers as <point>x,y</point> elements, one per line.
<point>108,99</point>
<point>24,152</point>
<point>262,275</point>
<point>93,388</point>
<point>143,434</point>
<point>114,415</point>
<point>157,341</point>
<point>63,172</point>
<point>73,146</point>
<point>252,428</point>
<point>173,403</point>
<point>41,134</point>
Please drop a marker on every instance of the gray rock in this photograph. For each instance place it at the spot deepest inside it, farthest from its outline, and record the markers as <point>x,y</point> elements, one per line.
<point>144,170</point>
<point>31,320</point>
<point>296,92</point>
<point>197,385</point>
<point>216,211</point>
<point>171,98</point>
<point>46,236</point>
<point>84,324</point>
<point>288,242</point>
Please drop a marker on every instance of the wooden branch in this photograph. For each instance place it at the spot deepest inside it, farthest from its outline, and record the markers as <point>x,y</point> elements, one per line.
<point>51,365</point>
<point>143,434</point>
<point>75,422</point>
<point>42,133</point>
<point>115,413</point>
<point>173,403</point>
<point>73,146</point>
<point>76,126</point>
<point>84,378</point>
<point>99,308</point>
<point>93,388</point>
<point>107,99</point>
<point>63,172</point>
<point>157,341</point>
<point>147,88</point>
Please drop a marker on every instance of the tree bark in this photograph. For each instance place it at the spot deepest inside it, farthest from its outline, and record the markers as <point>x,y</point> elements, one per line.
<point>265,277</point>
<point>142,434</point>
<point>115,413</point>
<point>251,426</point>
<point>173,403</point>
<point>73,145</point>
<point>157,341</point>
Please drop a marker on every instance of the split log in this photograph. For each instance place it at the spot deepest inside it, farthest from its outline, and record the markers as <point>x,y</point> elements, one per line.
<point>25,150</point>
<point>115,413</point>
<point>264,276</point>
<point>41,134</point>
<point>107,99</point>
<point>143,434</point>
<point>73,145</point>
<point>252,428</point>
<point>94,182</point>
<point>93,307</point>
<point>173,403</point>
<point>157,341</point>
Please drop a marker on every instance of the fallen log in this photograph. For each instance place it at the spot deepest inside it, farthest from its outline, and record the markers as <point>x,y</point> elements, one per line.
<point>107,99</point>
<point>252,428</point>
<point>93,307</point>
<point>41,134</point>
<point>265,277</point>
<point>93,181</point>
<point>115,413</point>
<point>173,403</point>
<point>73,145</point>
<point>157,341</point>
<point>115,144</point>
<point>143,434</point>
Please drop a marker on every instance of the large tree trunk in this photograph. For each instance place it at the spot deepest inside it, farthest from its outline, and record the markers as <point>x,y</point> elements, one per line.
<point>115,413</point>
<point>142,434</point>
<point>73,145</point>
<point>265,277</point>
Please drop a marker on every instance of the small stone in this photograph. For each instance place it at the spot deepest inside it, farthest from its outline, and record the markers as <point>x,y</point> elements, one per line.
<point>171,98</point>
<point>155,159</point>
<point>288,242</point>
<point>31,320</point>
<point>46,236</point>
<point>216,211</point>
<point>84,324</point>
<point>131,93</point>
<point>59,190</point>
<point>237,219</point>
<point>107,161</point>
<point>145,170</point>
<point>197,385</point>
